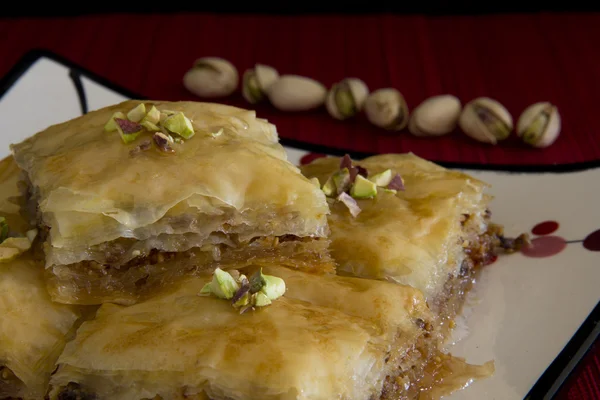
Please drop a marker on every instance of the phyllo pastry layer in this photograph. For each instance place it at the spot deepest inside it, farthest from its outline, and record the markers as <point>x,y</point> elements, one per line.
<point>200,182</point>
<point>33,330</point>
<point>429,228</point>
<point>326,337</point>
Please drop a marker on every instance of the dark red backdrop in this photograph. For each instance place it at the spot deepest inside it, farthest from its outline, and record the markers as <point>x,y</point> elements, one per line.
<point>517,59</point>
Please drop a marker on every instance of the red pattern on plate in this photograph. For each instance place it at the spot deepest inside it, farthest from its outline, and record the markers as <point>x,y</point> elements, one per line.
<point>545,228</point>
<point>463,55</point>
<point>545,246</point>
<point>592,241</point>
<point>310,157</point>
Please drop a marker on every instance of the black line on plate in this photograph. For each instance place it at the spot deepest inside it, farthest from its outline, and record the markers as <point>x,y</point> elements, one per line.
<point>555,376</point>
<point>34,55</point>
<point>563,365</point>
<point>79,89</point>
<point>534,169</point>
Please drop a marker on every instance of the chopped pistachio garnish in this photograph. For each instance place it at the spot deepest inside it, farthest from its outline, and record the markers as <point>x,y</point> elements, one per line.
<point>150,126</point>
<point>382,179</point>
<point>154,121</point>
<point>245,293</point>
<point>222,285</point>
<point>349,202</point>
<point>262,300</point>
<point>153,116</point>
<point>162,142</point>
<point>111,125</point>
<point>274,286</point>
<point>329,187</point>
<point>363,188</point>
<point>217,133</point>
<point>145,145</point>
<point>128,130</point>
<point>137,113</point>
<point>342,180</point>
<point>397,183</point>
<point>352,182</point>
<point>164,114</point>
<point>180,125</point>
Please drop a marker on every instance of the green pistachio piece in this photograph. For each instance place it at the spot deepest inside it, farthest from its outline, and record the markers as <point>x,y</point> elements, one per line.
<point>152,116</point>
<point>256,281</point>
<point>243,301</point>
<point>111,125</point>
<point>223,285</point>
<point>137,113</point>
<point>329,187</point>
<point>150,126</point>
<point>382,179</point>
<point>206,289</point>
<point>217,133</point>
<point>128,137</point>
<point>274,287</point>
<point>342,180</point>
<point>180,125</point>
<point>261,300</point>
<point>363,188</point>
<point>164,114</point>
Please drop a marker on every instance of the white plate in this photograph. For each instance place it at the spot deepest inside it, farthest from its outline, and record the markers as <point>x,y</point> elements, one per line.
<point>523,311</point>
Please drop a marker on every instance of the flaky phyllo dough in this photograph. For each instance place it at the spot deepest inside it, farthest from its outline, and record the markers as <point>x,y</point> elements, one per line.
<point>432,234</point>
<point>327,337</point>
<point>33,329</point>
<point>120,219</point>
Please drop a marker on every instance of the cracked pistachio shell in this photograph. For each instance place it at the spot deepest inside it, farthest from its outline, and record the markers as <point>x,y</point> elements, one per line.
<point>211,77</point>
<point>257,81</point>
<point>346,98</point>
<point>539,125</point>
<point>486,120</point>
<point>296,93</point>
<point>386,108</point>
<point>435,116</point>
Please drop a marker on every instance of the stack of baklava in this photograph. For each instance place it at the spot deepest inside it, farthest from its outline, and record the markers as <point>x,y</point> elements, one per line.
<point>169,250</point>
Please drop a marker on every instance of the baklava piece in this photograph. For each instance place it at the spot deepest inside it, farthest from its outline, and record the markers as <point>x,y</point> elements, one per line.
<point>130,197</point>
<point>33,330</point>
<point>270,333</point>
<point>400,218</point>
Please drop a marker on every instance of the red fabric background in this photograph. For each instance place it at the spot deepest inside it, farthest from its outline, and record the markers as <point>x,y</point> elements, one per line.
<point>517,59</point>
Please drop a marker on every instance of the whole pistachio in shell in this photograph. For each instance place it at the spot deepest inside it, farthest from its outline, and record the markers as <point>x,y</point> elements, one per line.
<point>386,108</point>
<point>296,93</point>
<point>211,77</point>
<point>436,116</point>
<point>486,120</point>
<point>257,81</point>
<point>539,125</point>
<point>346,98</point>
